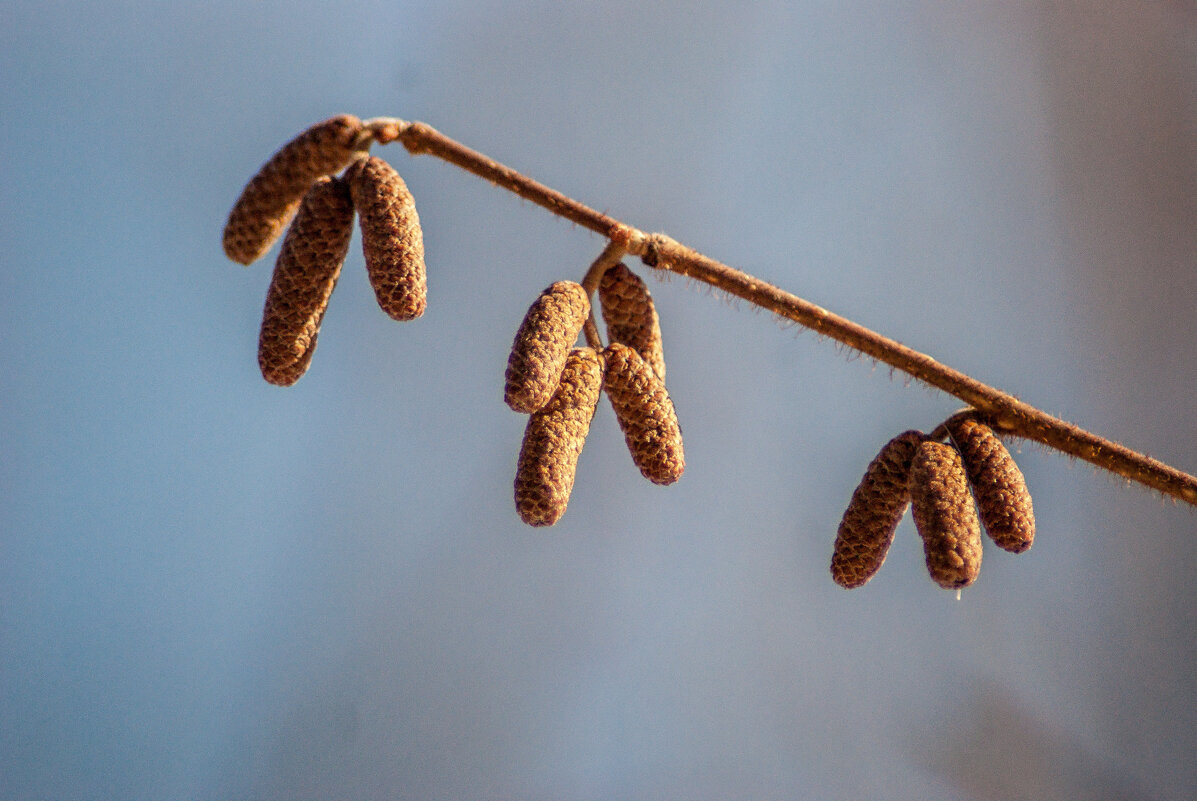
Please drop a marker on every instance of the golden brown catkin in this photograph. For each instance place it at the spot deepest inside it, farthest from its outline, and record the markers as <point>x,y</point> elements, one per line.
<point>631,316</point>
<point>646,415</point>
<point>392,241</point>
<point>877,505</point>
<point>271,197</point>
<point>945,515</point>
<point>554,438</point>
<point>538,353</point>
<point>998,485</point>
<point>305,274</point>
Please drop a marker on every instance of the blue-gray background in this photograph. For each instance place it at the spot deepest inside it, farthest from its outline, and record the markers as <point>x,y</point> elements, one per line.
<point>212,587</point>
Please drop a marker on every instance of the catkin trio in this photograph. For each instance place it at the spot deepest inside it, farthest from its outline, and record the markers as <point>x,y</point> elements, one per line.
<point>953,489</point>
<point>298,184</point>
<point>558,386</point>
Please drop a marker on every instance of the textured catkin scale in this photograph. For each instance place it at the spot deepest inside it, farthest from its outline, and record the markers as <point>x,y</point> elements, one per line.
<point>305,274</point>
<point>554,438</point>
<point>392,241</point>
<point>646,415</point>
<point>877,505</point>
<point>945,515</point>
<point>998,484</point>
<point>630,315</point>
<point>271,197</point>
<point>544,339</point>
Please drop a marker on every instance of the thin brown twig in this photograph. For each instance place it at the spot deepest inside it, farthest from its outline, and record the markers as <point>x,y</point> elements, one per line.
<point>1005,412</point>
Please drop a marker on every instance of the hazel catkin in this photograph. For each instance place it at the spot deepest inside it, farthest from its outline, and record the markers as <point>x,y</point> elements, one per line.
<point>392,241</point>
<point>271,197</point>
<point>878,503</point>
<point>545,337</point>
<point>945,515</point>
<point>998,485</point>
<point>645,414</point>
<point>305,274</point>
<point>554,438</point>
<point>631,316</point>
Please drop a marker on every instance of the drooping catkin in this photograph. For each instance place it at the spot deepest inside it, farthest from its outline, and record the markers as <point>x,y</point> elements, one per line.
<point>998,485</point>
<point>646,415</point>
<point>271,197</point>
<point>554,438</point>
<point>305,274</point>
<point>538,353</point>
<point>945,515</point>
<point>631,316</point>
<point>877,505</point>
<point>392,241</point>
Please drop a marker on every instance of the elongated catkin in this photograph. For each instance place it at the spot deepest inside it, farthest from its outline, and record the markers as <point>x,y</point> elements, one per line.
<point>945,515</point>
<point>553,441</point>
<point>392,241</point>
<point>305,274</point>
<point>545,337</point>
<point>645,414</point>
<point>998,484</point>
<point>271,197</point>
<point>631,316</point>
<point>867,528</point>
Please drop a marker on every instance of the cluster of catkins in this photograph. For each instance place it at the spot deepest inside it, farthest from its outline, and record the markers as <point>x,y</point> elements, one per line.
<point>559,386</point>
<point>300,182</point>
<point>935,479</point>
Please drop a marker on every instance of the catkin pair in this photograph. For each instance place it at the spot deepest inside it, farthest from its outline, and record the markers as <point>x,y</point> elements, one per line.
<point>635,380</point>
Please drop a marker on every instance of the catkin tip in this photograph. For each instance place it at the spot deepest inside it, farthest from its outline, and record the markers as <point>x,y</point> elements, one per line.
<point>541,345</point>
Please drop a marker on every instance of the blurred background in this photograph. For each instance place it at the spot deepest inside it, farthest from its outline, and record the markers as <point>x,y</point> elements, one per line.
<point>211,587</point>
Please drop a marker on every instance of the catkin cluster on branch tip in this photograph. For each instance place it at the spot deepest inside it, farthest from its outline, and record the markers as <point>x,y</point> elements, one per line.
<point>946,485</point>
<point>299,181</point>
<point>543,380</point>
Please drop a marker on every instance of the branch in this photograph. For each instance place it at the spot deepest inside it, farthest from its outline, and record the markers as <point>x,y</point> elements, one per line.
<point>1005,412</point>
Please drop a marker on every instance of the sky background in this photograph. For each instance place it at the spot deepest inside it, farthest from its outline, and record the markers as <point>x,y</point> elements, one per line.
<point>211,587</point>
